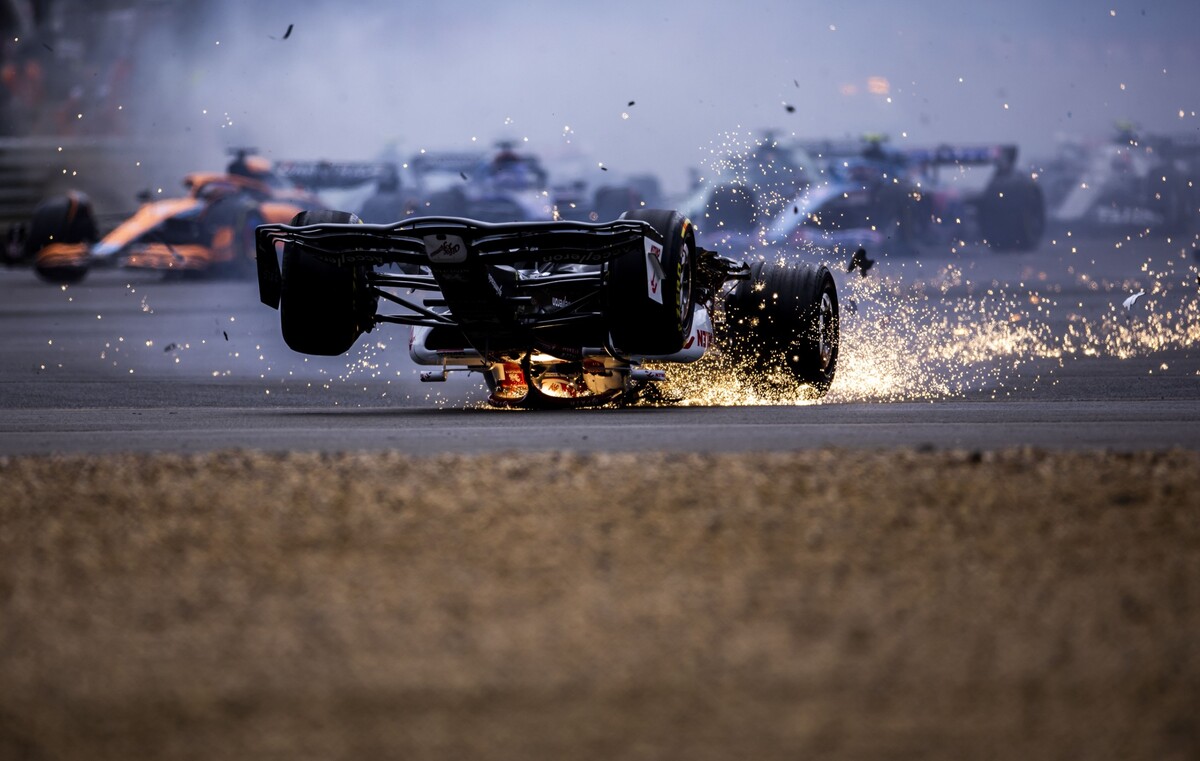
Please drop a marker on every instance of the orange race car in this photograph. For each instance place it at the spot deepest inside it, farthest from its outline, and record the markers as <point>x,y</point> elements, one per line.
<point>211,229</point>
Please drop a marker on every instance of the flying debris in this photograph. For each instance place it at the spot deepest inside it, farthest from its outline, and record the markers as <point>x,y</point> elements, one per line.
<point>225,334</point>
<point>288,33</point>
<point>796,82</point>
<point>789,108</point>
<point>170,347</point>
<point>47,47</point>
<point>795,209</point>
<point>851,306</point>
<point>860,262</point>
<point>463,175</point>
<point>1129,302</point>
<point>632,102</point>
<point>603,168</point>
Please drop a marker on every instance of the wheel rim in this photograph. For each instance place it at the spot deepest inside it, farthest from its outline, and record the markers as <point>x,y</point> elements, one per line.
<point>825,342</point>
<point>685,281</point>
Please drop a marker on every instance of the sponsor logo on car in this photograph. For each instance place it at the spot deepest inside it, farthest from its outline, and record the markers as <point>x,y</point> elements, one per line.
<point>445,249</point>
<point>700,338</point>
<point>654,271</point>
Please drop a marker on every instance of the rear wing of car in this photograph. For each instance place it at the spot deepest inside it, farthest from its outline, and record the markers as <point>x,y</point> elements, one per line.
<point>1181,146</point>
<point>337,175</point>
<point>448,243</point>
<point>1003,157</point>
<point>445,161</point>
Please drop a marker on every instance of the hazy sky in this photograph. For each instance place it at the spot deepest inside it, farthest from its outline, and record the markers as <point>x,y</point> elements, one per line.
<point>354,77</point>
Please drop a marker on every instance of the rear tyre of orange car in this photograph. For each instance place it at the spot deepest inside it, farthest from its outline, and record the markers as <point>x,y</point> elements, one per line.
<point>782,324</point>
<point>62,230</point>
<point>323,306</point>
<point>648,315</point>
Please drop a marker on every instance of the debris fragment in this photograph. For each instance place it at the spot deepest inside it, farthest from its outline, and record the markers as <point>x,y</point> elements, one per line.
<point>860,262</point>
<point>1129,302</point>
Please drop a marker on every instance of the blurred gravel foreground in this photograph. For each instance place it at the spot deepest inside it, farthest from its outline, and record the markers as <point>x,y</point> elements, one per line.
<point>823,604</point>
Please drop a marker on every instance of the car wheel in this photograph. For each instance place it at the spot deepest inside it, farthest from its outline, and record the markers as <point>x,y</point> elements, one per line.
<point>1012,214</point>
<point>649,313</point>
<point>60,233</point>
<point>1171,201</point>
<point>323,306</point>
<point>447,203</point>
<point>784,318</point>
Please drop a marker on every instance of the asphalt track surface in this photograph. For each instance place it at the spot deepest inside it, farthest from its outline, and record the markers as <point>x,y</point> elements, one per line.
<point>132,362</point>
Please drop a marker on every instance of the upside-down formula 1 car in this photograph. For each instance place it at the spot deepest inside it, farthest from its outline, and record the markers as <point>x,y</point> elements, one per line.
<point>211,229</point>
<point>552,314</point>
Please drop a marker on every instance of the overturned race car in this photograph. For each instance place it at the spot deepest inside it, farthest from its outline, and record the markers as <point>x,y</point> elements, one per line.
<point>552,314</point>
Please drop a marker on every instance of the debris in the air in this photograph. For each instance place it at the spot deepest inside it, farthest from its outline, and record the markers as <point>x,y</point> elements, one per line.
<point>288,33</point>
<point>860,262</point>
<point>170,347</point>
<point>463,175</point>
<point>631,102</point>
<point>1129,302</point>
<point>795,209</point>
<point>603,168</point>
<point>789,108</point>
<point>225,334</point>
<point>47,47</point>
<point>797,82</point>
<point>851,306</point>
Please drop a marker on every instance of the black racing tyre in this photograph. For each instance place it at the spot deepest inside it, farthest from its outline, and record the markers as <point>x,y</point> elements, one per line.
<point>1012,214</point>
<point>639,324</point>
<point>611,202</point>
<point>385,207</point>
<point>898,219</point>
<point>447,203</point>
<point>62,229</point>
<point>323,307</point>
<point>731,208</point>
<point>14,245</point>
<point>785,317</point>
<point>1171,199</point>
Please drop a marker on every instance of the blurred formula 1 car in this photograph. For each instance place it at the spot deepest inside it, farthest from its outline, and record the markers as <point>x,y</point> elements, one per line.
<point>895,200</point>
<point>1133,183</point>
<point>550,313</point>
<point>211,229</point>
<point>580,201</point>
<point>745,189</point>
<point>507,187</point>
